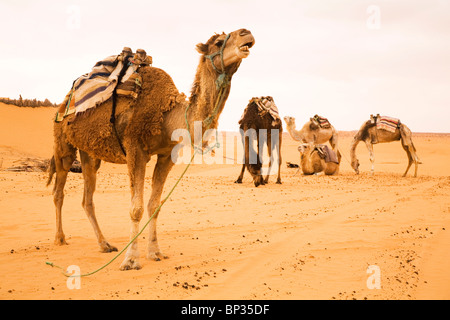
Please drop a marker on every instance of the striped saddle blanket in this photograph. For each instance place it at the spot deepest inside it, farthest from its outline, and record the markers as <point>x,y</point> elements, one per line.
<point>321,121</point>
<point>91,89</point>
<point>387,123</point>
<point>266,105</point>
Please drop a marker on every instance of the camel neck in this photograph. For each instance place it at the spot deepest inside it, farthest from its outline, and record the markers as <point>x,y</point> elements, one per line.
<point>296,135</point>
<point>353,146</point>
<point>207,99</point>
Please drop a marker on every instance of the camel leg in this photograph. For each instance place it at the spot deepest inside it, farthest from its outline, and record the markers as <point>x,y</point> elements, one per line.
<point>410,158</point>
<point>261,140</point>
<point>62,166</point>
<point>408,145</point>
<point>136,170</point>
<point>270,155</point>
<point>334,142</point>
<point>160,173</point>
<point>280,138</point>
<point>371,154</point>
<point>239,179</point>
<point>334,146</point>
<point>90,167</point>
<point>414,157</point>
<point>241,176</point>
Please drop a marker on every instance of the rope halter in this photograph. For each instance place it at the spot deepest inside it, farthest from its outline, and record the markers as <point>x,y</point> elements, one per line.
<point>222,79</point>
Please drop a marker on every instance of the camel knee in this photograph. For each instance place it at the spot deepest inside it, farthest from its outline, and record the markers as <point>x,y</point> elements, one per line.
<point>87,203</point>
<point>136,213</point>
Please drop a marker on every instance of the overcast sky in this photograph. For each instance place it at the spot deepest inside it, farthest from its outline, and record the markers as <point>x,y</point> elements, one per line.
<point>342,59</point>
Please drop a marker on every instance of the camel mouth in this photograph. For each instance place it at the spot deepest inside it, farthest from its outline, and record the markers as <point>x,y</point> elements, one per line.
<point>246,47</point>
<point>244,50</point>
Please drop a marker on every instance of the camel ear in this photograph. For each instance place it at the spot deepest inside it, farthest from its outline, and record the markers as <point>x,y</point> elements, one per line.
<point>202,48</point>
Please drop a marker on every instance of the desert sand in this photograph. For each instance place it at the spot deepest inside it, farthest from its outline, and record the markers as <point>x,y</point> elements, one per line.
<point>312,237</point>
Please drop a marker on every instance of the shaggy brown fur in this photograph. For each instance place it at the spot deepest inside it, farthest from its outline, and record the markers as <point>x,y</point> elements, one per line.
<point>145,128</point>
<point>253,120</point>
<point>370,134</point>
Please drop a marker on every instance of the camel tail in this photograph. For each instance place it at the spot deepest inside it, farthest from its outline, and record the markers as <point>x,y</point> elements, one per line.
<point>51,171</point>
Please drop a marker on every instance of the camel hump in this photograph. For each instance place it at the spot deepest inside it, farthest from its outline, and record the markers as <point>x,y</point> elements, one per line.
<point>159,88</point>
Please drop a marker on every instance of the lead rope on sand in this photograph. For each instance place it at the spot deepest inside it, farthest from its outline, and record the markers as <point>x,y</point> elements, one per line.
<point>137,235</point>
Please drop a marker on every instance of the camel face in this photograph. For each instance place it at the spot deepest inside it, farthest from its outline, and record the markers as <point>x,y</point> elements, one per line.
<point>289,120</point>
<point>305,149</point>
<point>237,45</point>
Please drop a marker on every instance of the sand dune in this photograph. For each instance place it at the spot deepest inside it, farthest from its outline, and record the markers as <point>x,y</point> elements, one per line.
<point>310,238</point>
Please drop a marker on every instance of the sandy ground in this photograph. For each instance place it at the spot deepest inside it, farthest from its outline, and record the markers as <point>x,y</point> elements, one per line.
<point>310,238</point>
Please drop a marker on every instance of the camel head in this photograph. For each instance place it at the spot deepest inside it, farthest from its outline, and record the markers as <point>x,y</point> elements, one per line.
<point>289,120</point>
<point>355,165</point>
<point>255,171</point>
<point>232,47</point>
<point>306,149</point>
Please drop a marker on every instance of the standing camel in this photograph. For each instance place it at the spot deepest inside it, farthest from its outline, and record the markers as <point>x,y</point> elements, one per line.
<point>313,133</point>
<point>159,100</point>
<point>258,117</point>
<point>372,134</point>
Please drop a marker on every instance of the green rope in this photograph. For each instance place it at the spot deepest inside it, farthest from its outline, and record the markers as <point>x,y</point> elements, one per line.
<point>137,235</point>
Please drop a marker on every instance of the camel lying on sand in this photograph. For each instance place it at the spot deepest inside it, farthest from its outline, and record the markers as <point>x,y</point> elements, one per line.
<point>314,159</point>
<point>312,133</point>
<point>93,135</point>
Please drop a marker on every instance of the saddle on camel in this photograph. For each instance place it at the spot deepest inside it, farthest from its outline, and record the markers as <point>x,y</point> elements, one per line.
<point>117,74</point>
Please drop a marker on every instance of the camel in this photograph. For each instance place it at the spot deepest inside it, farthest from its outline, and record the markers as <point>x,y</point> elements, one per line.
<point>93,135</point>
<point>371,134</point>
<point>312,133</point>
<point>255,119</point>
<point>313,161</point>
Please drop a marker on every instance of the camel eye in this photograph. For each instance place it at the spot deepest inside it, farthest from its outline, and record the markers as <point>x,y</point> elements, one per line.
<point>219,43</point>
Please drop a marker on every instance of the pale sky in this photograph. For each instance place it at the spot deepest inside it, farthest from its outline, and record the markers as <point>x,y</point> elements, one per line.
<point>342,59</point>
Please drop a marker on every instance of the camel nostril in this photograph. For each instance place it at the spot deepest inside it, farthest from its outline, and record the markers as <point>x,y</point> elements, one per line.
<point>244,32</point>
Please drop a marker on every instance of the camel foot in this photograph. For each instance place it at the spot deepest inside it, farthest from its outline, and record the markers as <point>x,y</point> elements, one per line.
<point>106,247</point>
<point>266,181</point>
<point>156,256</point>
<point>278,181</point>
<point>130,264</point>
<point>60,240</point>
<point>238,181</point>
